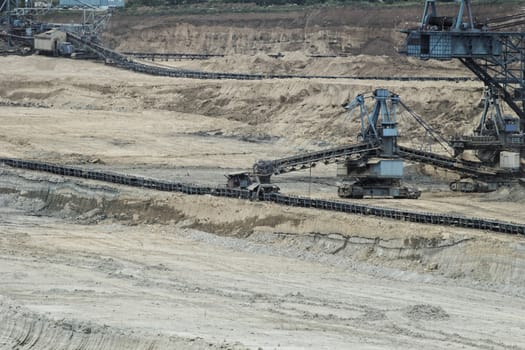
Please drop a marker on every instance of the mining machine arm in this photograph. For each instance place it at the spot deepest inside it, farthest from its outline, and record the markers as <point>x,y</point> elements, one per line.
<point>494,50</point>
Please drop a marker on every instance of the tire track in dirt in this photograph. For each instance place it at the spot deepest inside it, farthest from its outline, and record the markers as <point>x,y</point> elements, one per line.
<point>24,329</point>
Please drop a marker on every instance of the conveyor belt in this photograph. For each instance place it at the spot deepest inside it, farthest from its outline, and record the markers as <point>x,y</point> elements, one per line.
<point>170,55</point>
<point>306,160</point>
<point>119,60</point>
<point>462,167</point>
<point>345,207</point>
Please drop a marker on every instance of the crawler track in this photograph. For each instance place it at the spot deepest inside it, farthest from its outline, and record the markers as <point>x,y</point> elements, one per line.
<point>122,61</point>
<point>345,207</point>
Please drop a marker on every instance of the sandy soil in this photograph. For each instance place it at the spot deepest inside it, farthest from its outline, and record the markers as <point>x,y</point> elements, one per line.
<point>105,266</point>
<point>111,281</point>
<point>296,110</point>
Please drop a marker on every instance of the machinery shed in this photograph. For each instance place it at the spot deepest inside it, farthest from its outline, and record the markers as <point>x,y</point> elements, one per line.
<point>48,42</point>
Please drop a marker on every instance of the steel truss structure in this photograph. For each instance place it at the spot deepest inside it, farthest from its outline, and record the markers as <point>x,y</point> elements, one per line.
<point>497,58</point>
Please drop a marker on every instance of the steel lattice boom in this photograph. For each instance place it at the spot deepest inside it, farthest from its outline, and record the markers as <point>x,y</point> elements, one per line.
<point>497,58</point>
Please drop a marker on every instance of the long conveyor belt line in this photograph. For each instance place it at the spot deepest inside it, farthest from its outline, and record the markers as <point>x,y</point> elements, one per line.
<point>170,55</point>
<point>120,60</point>
<point>345,207</point>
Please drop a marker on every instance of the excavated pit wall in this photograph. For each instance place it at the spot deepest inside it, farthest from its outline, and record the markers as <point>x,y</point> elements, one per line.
<point>346,30</point>
<point>388,248</point>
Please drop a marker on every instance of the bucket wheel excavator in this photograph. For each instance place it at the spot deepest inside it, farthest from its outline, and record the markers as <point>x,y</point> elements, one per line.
<point>494,50</point>
<point>377,173</point>
<point>373,167</point>
<point>369,168</point>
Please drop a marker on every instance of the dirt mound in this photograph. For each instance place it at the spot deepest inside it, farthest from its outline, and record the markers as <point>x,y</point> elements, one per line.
<point>515,193</point>
<point>426,312</point>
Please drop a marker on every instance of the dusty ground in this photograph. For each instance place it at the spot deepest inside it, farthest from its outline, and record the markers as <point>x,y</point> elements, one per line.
<point>168,286</point>
<point>90,265</point>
